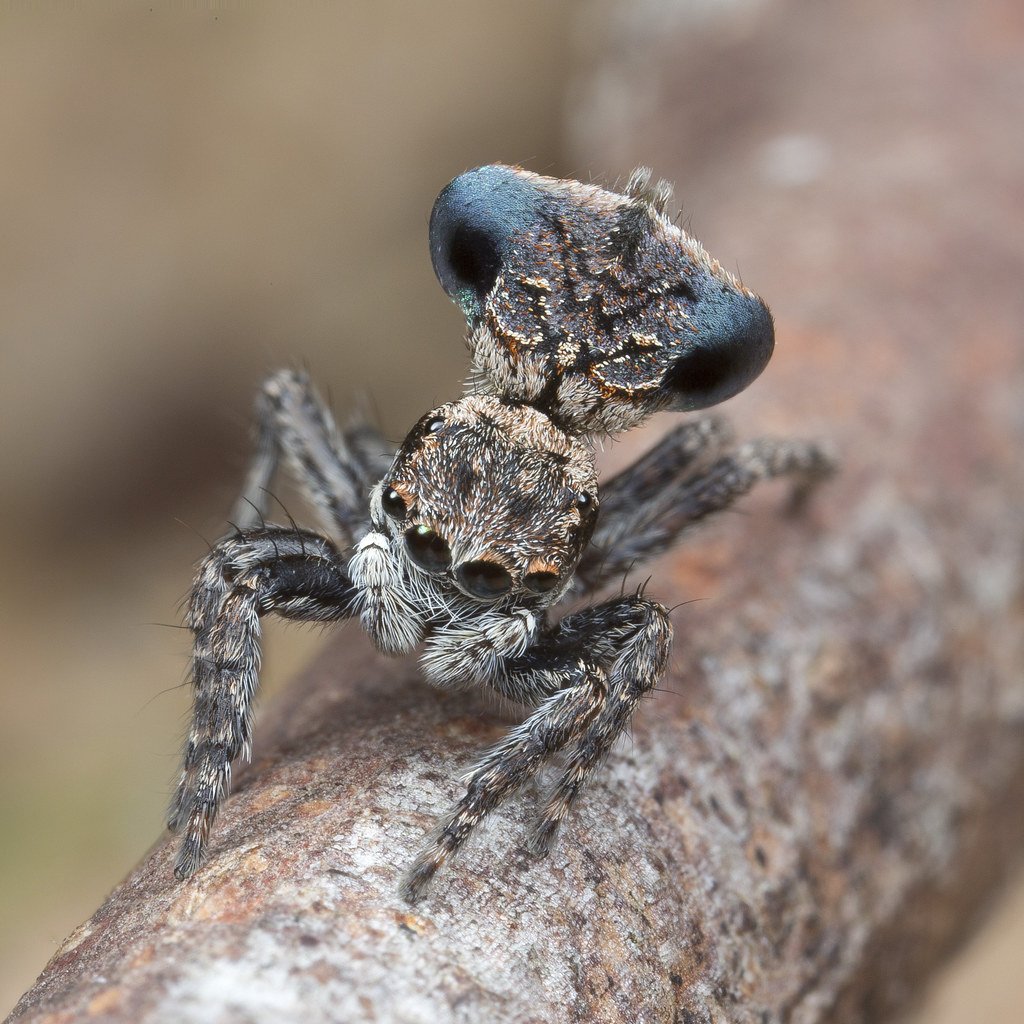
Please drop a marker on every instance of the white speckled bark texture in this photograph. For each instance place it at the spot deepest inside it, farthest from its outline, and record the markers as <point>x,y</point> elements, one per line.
<point>828,786</point>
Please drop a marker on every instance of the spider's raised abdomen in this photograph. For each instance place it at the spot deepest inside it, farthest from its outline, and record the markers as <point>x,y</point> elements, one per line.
<point>591,305</point>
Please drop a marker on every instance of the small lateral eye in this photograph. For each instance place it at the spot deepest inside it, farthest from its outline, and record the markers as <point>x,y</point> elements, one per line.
<point>393,503</point>
<point>541,582</point>
<point>435,424</point>
<point>586,503</point>
<point>428,549</point>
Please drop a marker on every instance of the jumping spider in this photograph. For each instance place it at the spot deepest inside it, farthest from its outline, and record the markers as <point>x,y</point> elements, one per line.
<point>587,312</point>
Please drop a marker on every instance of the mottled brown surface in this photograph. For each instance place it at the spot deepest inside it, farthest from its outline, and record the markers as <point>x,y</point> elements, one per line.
<point>819,801</point>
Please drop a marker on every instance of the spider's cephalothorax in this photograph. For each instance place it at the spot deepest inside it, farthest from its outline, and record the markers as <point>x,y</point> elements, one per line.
<point>587,312</point>
<point>478,524</point>
<point>494,496</point>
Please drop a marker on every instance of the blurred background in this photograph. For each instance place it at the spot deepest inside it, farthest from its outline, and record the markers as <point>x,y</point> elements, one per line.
<point>191,198</point>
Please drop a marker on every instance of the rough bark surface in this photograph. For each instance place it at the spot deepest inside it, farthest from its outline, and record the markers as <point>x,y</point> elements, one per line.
<point>829,784</point>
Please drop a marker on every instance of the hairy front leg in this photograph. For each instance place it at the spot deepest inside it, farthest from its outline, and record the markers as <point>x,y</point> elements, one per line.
<point>293,573</point>
<point>507,766</point>
<point>586,677</point>
<point>641,633</point>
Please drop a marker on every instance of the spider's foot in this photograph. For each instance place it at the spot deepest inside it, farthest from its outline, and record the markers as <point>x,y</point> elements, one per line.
<point>418,878</point>
<point>542,837</point>
<point>190,857</point>
<point>821,462</point>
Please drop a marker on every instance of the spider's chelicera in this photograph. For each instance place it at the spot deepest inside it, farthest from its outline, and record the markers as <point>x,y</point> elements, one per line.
<point>587,311</point>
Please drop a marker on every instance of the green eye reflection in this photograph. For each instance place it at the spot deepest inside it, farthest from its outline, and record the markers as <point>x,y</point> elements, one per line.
<point>428,549</point>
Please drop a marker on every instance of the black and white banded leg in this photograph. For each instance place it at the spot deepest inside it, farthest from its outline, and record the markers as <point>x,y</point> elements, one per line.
<point>293,573</point>
<point>688,448</point>
<point>648,507</point>
<point>335,469</point>
<point>591,672</point>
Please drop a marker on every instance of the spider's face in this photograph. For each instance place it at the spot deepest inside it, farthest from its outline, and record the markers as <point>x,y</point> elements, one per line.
<point>491,496</point>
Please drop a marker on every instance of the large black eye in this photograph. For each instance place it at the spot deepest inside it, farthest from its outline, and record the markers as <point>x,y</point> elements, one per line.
<point>471,227</point>
<point>484,579</point>
<point>393,503</point>
<point>733,345</point>
<point>470,263</point>
<point>541,582</point>
<point>428,549</point>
